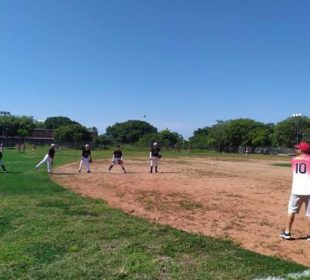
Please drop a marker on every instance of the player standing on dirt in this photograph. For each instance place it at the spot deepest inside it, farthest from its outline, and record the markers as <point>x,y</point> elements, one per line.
<point>300,188</point>
<point>48,158</point>
<point>86,158</point>
<point>1,162</point>
<point>154,157</point>
<point>117,158</point>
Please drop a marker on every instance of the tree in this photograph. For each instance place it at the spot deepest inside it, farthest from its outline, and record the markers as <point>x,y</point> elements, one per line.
<point>72,133</point>
<point>241,132</point>
<point>129,132</point>
<point>216,138</point>
<point>103,140</point>
<point>201,138</point>
<point>285,132</point>
<point>56,122</point>
<point>229,135</point>
<point>170,139</point>
<point>147,139</point>
<point>11,125</point>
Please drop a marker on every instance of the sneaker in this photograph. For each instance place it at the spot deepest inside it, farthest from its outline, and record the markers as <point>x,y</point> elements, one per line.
<point>88,171</point>
<point>308,237</point>
<point>286,235</point>
<point>37,168</point>
<point>79,170</point>
<point>109,172</point>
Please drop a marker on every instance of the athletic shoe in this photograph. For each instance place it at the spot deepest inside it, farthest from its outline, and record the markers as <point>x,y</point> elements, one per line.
<point>109,172</point>
<point>308,237</point>
<point>286,235</point>
<point>37,168</point>
<point>88,171</point>
<point>79,170</point>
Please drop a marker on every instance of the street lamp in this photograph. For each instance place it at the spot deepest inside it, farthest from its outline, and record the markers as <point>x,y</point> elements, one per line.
<point>297,116</point>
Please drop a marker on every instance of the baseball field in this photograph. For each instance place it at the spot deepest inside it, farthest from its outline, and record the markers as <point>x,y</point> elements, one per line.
<point>203,216</point>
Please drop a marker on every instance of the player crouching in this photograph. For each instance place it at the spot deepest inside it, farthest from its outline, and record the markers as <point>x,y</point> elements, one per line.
<point>117,159</point>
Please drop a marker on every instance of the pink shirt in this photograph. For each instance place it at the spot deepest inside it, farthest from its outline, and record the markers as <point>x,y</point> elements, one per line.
<point>301,174</point>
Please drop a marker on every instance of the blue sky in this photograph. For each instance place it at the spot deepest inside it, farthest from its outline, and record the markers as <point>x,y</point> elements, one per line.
<point>185,64</point>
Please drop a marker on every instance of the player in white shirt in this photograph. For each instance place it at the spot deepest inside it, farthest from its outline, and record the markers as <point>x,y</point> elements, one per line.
<point>300,193</point>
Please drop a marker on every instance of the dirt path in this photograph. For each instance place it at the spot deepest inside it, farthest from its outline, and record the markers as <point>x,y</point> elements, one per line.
<point>245,201</point>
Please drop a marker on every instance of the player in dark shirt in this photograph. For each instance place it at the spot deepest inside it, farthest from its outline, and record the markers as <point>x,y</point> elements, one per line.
<point>117,159</point>
<point>154,157</point>
<point>48,158</point>
<point>86,158</point>
<point>1,162</point>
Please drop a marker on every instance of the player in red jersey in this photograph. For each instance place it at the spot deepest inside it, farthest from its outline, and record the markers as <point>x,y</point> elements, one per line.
<point>300,193</point>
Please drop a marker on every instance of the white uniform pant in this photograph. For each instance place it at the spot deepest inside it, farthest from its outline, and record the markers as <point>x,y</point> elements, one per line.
<point>84,161</point>
<point>48,161</point>
<point>154,161</point>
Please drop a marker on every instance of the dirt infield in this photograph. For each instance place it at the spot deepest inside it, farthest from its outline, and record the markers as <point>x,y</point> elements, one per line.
<point>243,200</point>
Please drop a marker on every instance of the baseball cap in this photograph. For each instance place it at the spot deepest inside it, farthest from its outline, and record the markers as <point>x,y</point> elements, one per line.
<point>304,147</point>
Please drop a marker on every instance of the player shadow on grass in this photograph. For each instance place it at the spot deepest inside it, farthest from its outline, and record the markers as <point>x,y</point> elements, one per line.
<point>12,172</point>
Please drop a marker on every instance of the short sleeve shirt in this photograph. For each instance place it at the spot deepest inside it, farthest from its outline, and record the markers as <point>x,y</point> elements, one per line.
<point>301,174</point>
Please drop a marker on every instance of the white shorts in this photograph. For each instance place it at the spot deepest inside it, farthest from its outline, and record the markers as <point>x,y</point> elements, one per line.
<point>296,201</point>
<point>154,161</point>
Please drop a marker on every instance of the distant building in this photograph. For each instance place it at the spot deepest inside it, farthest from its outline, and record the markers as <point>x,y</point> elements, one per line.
<point>41,136</point>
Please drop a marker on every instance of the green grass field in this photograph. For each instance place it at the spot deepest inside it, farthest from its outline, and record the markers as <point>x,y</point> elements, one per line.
<point>48,232</point>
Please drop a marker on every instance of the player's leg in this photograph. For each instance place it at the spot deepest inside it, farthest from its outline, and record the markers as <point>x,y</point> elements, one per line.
<point>122,166</point>
<point>110,168</point>
<point>294,205</point>
<point>152,164</point>
<point>156,164</point>
<point>2,166</point>
<point>42,161</point>
<point>289,222</point>
<point>80,166</point>
<point>49,165</point>
<point>86,162</point>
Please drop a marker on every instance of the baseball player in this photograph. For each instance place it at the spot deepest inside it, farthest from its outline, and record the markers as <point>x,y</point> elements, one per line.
<point>1,162</point>
<point>86,158</point>
<point>154,157</point>
<point>48,158</point>
<point>300,193</point>
<point>117,159</point>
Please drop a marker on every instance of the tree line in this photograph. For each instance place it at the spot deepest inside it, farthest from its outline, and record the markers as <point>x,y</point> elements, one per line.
<point>229,135</point>
<point>225,136</point>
